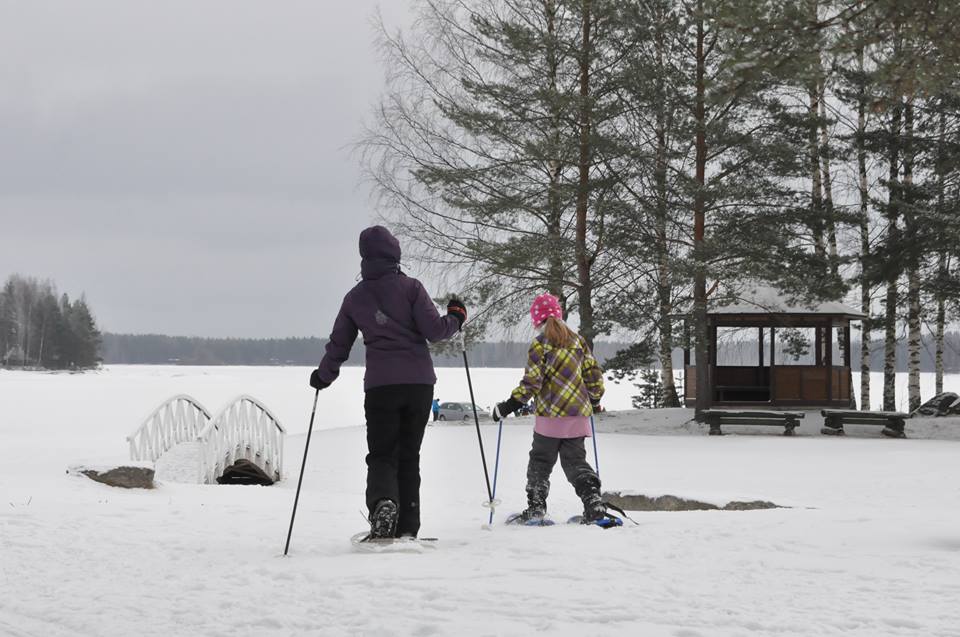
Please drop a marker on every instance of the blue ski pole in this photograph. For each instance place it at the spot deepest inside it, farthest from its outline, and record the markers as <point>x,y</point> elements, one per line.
<point>496,468</point>
<point>596,456</point>
<point>491,503</point>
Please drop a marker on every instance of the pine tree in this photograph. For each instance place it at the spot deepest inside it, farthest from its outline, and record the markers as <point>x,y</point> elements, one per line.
<point>86,335</point>
<point>944,287</point>
<point>648,229</point>
<point>853,87</point>
<point>486,151</point>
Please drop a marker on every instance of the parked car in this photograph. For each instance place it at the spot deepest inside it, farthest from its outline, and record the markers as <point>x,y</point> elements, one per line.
<point>461,411</point>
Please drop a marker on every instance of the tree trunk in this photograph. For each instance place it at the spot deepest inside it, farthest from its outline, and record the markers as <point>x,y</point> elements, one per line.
<point>828,188</point>
<point>913,265</point>
<point>914,339</point>
<point>816,185</point>
<point>892,271</point>
<point>664,286</point>
<point>813,141</point>
<point>940,331</point>
<point>583,183</point>
<point>699,225</point>
<point>555,212</point>
<point>865,291</point>
<point>942,264</point>
<point>43,333</point>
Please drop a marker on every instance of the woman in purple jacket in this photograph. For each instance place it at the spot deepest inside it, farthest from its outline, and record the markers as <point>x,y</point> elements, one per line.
<point>397,318</point>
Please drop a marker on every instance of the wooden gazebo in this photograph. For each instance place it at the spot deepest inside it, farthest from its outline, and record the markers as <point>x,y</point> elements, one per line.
<point>821,381</point>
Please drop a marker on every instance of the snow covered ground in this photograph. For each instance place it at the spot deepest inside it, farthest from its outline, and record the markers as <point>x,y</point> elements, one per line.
<point>870,545</point>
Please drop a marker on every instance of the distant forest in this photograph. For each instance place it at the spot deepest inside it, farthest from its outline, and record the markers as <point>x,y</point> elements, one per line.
<point>155,349</point>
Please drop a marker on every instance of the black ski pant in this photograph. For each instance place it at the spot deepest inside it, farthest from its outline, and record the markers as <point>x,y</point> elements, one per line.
<point>573,461</point>
<point>396,419</point>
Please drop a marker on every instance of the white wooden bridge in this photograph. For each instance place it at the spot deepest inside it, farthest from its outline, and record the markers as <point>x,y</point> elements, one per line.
<point>243,429</point>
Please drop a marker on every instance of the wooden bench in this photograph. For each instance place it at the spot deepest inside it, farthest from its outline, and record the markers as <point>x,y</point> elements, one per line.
<point>789,420</point>
<point>893,422</point>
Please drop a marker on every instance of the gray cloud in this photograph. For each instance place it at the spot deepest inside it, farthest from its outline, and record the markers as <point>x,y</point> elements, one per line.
<point>184,162</point>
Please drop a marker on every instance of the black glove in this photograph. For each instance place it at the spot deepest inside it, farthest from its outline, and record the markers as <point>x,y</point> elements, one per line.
<point>457,309</point>
<point>596,406</point>
<point>504,409</point>
<point>316,382</point>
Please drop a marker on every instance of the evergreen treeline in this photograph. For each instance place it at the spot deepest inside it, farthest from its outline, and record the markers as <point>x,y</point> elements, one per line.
<point>40,329</point>
<point>155,349</point>
<point>641,158</point>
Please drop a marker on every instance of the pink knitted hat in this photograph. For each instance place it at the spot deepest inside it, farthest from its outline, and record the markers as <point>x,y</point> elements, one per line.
<point>545,306</point>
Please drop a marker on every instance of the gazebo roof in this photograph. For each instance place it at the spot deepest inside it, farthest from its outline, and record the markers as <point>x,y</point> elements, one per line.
<point>755,298</point>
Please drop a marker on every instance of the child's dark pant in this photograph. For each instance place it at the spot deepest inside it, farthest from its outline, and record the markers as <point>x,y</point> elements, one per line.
<point>573,461</point>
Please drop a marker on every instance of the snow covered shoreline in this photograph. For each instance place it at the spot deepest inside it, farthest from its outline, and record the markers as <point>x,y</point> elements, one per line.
<point>871,545</point>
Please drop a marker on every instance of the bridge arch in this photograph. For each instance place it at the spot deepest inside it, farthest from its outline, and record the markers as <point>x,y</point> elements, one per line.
<point>178,419</point>
<point>243,430</point>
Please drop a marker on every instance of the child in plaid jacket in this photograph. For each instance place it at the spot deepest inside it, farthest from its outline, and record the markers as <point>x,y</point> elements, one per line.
<point>565,382</point>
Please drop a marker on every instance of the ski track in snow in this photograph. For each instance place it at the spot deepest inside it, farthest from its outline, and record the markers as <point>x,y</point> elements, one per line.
<point>871,547</point>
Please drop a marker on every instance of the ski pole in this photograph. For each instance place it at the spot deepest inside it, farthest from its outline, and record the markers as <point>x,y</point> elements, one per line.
<point>596,456</point>
<point>302,469</point>
<point>476,420</point>
<point>496,469</point>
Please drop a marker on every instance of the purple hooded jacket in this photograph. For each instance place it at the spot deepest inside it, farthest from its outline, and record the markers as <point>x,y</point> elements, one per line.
<point>395,315</point>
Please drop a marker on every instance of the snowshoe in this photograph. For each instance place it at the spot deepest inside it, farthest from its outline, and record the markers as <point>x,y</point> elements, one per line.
<point>595,511</point>
<point>362,542</point>
<point>530,517</point>
<point>608,521</point>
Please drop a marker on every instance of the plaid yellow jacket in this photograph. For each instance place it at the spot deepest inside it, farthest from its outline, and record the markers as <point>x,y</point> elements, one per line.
<point>562,379</point>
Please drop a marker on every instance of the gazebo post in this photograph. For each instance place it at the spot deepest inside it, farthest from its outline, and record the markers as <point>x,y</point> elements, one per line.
<point>846,344</point>
<point>760,361</point>
<point>846,363</point>
<point>818,346</point>
<point>829,359</point>
<point>760,347</point>
<point>773,363</point>
<point>711,359</point>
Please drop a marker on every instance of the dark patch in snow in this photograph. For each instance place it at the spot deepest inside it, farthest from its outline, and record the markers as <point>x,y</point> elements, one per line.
<point>945,404</point>
<point>675,503</point>
<point>125,477</point>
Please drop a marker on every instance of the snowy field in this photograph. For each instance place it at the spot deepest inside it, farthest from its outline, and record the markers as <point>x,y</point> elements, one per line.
<point>870,545</point>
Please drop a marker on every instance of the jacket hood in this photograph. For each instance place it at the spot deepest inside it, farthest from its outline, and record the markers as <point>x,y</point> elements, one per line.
<point>379,253</point>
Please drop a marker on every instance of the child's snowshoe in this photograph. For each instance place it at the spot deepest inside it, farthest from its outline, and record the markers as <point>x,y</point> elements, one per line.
<point>595,512</point>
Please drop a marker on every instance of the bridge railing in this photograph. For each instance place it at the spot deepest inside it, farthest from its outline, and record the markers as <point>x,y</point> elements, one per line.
<point>244,429</point>
<point>179,419</point>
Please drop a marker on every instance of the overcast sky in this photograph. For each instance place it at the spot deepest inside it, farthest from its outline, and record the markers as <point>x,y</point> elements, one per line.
<point>184,162</point>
